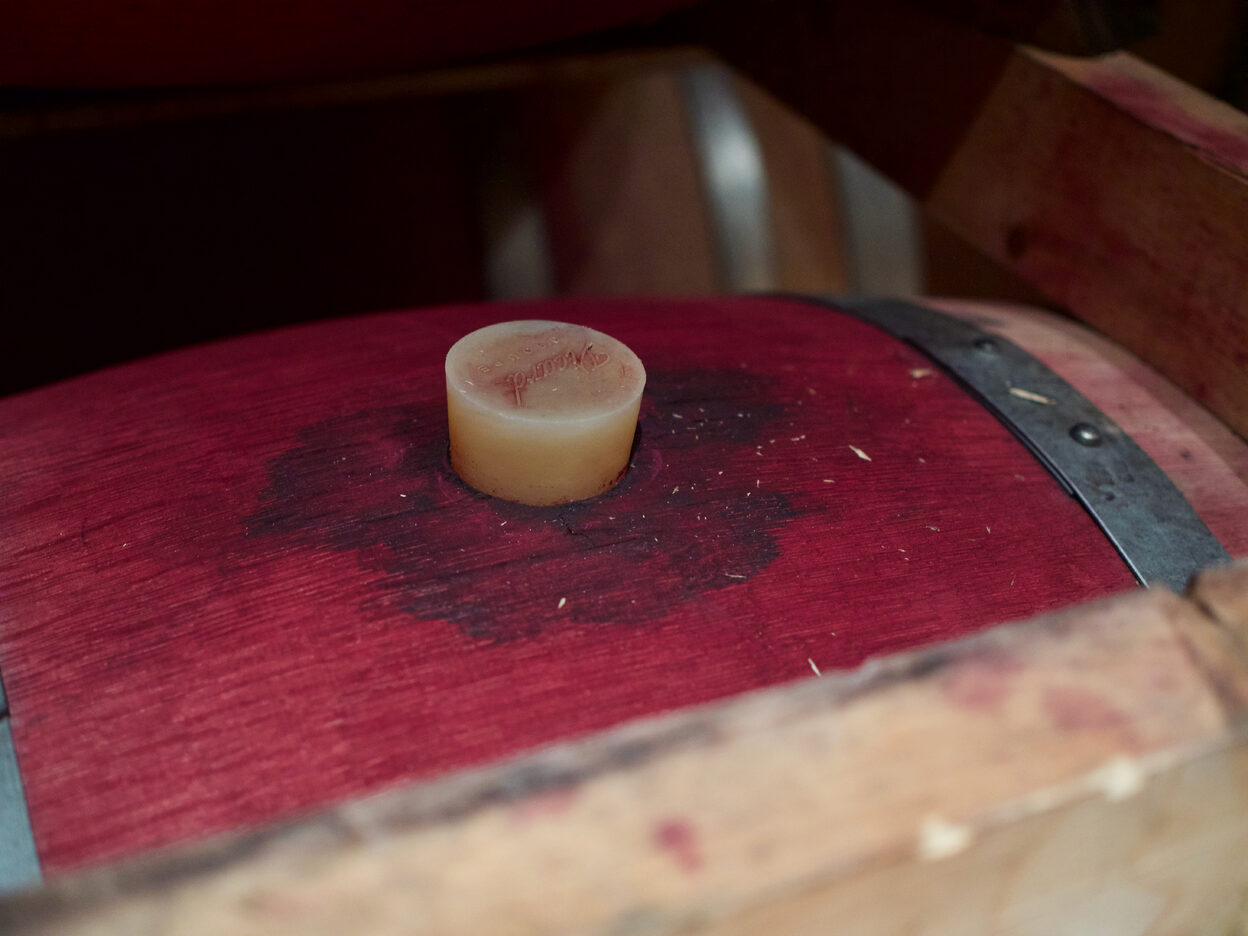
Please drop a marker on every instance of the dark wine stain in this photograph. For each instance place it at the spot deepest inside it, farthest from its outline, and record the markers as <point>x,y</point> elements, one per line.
<point>691,516</point>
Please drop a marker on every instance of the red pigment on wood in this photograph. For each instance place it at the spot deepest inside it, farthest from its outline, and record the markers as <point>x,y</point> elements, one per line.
<point>678,839</point>
<point>1076,710</point>
<point>980,683</point>
<point>241,581</point>
<point>1153,106</point>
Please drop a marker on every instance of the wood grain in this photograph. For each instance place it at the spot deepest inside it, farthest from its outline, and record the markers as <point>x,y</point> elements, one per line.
<point>241,582</point>
<point>1078,771</point>
<point>1122,194</point>
<point>807,218</point>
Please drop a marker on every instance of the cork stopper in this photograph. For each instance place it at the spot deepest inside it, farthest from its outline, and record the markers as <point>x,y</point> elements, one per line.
<point>542,412</point>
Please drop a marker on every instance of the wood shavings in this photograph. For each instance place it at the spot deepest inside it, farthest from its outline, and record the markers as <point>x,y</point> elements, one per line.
<point>733,575</point>
<point>1029,396</point>
<point>860,453</point>
<point>918,373</point>
<point>813,667</point>
<point>937,529</point>
<point>829,481</point>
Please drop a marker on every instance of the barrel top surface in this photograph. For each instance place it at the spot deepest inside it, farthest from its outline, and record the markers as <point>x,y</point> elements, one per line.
<point>241,581</point>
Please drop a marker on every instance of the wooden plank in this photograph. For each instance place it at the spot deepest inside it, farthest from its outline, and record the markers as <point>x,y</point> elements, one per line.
<point>614,172</point>
<point>1083,769</point>
<point>808,235</point>
<point>1123,195</point>
<point>1117,191</point>
<point>241,582</point>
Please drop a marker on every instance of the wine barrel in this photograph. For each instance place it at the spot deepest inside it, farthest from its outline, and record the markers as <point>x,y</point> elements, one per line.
<point>241,581</point>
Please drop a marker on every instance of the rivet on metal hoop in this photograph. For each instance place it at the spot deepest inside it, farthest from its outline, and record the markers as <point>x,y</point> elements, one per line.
<point>1086,434</point>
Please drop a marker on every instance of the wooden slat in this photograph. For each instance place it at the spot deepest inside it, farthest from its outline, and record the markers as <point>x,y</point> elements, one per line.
<point>613,170</point>
<point>1123,194</point>
<point>1081,769</point>
<point>1119,192</point>
<point>806,209</point>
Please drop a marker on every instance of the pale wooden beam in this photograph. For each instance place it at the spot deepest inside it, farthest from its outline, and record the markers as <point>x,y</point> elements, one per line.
<point>1085,766</point>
